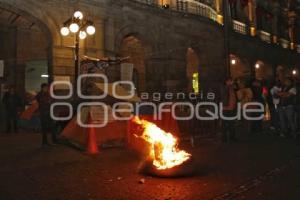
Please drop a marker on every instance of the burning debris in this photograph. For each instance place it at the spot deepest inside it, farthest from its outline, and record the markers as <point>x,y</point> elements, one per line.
<point>165,158</point>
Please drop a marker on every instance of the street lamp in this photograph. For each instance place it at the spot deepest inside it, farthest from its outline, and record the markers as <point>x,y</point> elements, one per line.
<point>233,61</point>
<point>81,28</point>
<point>294,72</point>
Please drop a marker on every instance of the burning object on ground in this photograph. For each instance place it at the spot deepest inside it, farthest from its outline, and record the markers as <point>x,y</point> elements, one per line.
<point>165,159</point>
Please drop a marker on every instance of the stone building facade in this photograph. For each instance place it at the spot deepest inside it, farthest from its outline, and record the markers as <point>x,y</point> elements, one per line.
<point>167,41</point>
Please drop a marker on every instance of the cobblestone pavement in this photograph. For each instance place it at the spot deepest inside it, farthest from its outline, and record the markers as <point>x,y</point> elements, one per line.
<point>263,167</point>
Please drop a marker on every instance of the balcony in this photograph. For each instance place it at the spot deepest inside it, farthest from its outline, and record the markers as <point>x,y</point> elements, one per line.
<point>149,2</point>
<point>265,36</point>
<point>185,6</point>
<point>194,7</point>
<point>239,27</point>
<point>298,48</point>
<point>201,9</point>
<point>284,43</point>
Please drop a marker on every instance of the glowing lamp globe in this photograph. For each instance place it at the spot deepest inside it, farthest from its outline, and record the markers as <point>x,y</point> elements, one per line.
<point>64,31</point>
<point>257,66</point>
<point>91,30</point>
<point>82,35</point>
<point>233,61</point>
<point>78,15</point>
<point>294,72</point>
<point>74,28</point>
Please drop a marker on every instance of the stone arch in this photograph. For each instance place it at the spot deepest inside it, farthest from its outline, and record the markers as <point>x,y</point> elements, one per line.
<point>130,42</point>
<point>132,48</point>
<point>281,72</point>
<point>39,22</point>
<point>239,68</point>
<point>263,71</point>
<point>131,30</point>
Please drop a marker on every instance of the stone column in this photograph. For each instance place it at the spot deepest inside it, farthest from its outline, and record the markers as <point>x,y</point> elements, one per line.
<point>218,5</point>
<point>165,71</point>
<point>212,70</point>
<point>109,37</point>
<point>252,17</point>
<point>291,27</point>
<point>275,12</point>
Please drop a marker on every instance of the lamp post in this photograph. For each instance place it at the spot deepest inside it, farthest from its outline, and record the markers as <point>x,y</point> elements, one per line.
<point>81,28</point>
<point>294,72</point>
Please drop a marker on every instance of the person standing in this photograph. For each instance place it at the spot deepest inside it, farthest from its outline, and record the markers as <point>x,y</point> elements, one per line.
<point>287,108</point>
<point>274,105</point>
<point>47,124</point>
<point>257,90</point>
<point>229,102</point>
<point>12,103</point>
<point>244,96</point>
<point>297,85</point>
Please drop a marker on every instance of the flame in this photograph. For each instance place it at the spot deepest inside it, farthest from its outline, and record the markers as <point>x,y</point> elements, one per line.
<point>163,146</point>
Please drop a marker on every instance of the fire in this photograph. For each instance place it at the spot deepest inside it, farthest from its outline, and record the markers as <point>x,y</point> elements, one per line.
<point>163,146</point>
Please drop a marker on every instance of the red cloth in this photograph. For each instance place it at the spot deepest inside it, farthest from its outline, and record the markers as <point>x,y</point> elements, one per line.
<point>265,91</point>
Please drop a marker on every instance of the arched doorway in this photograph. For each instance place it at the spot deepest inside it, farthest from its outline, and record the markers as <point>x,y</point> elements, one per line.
<point>25,51</point>
<point>263,71</point>
<point>281,72</point>
<point>192,73</point>
<point>133,48</point>
<point>239,68</point>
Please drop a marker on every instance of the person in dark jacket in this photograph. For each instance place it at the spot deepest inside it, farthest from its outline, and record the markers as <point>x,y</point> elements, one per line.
<point>287,108</point>
<point>47,124</point>
<point>12,103</point>
<point>257,90</point>
<point>229,101</point>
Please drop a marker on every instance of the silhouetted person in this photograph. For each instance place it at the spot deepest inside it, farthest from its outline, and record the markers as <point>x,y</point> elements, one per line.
<point>274,105</point>
<point>244,96</point>
<point>12,103</point>
<point>297,85</point>
<point>229,101</point>
<point>257,90</point>
<point>287,108</point>
<point>47,124</point>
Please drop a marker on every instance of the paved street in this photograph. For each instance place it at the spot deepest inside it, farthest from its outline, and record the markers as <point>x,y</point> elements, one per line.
<point>264,167</point>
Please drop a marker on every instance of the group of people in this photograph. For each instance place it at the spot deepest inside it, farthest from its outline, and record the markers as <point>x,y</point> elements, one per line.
<point>285,108</point>
<point>13,105</point>
<point>280,99</point>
